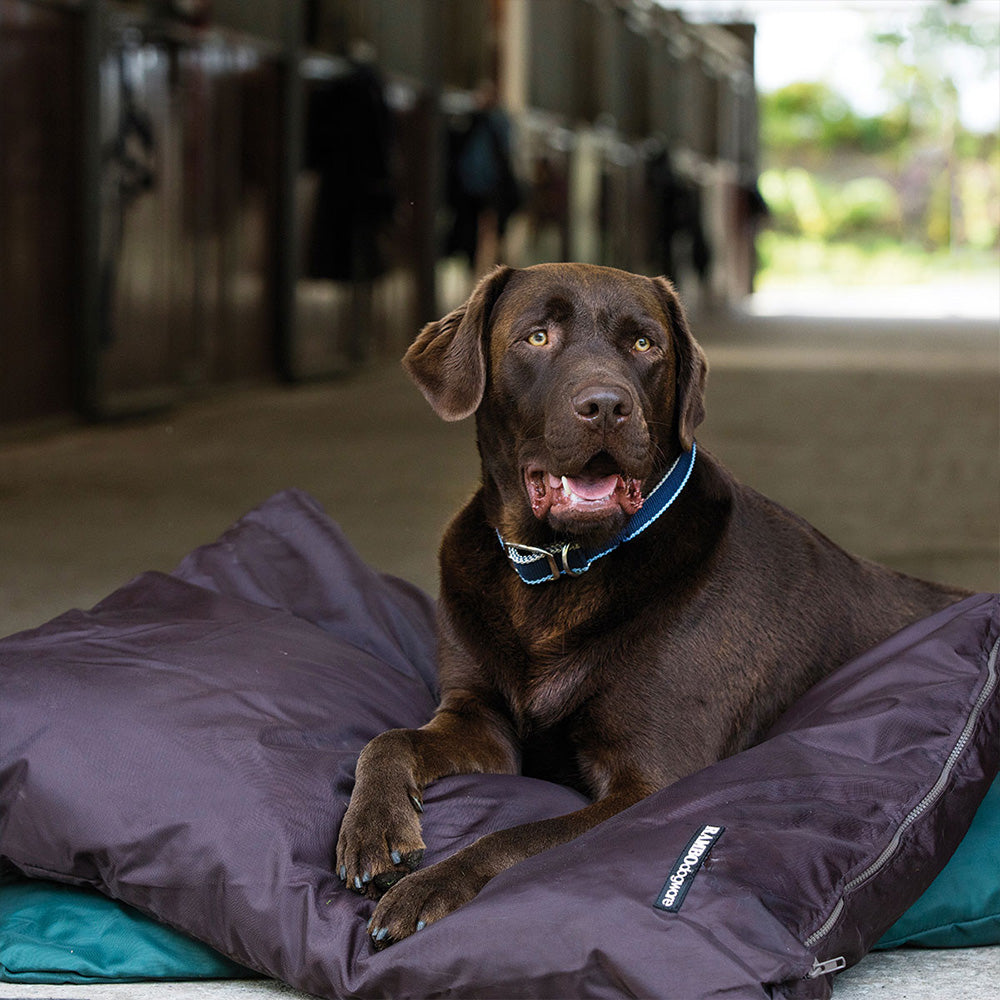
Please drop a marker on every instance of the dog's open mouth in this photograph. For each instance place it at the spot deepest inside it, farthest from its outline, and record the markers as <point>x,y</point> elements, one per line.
<point>593,494</point>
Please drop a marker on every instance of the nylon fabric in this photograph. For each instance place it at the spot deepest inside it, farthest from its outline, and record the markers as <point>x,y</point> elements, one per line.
<point>961,908</point>
<point>53,933</point>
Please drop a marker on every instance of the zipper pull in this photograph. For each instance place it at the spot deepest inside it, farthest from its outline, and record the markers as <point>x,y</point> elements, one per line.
<point>819,968</point>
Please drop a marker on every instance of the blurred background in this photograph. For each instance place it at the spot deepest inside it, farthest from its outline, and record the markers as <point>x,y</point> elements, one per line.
<point>222,222</point>
<point>196,193</point>
<point>199,192</point>
<point>879,151</point>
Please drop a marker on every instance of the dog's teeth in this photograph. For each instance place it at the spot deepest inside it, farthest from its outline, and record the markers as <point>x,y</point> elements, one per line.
<point>567,489</point>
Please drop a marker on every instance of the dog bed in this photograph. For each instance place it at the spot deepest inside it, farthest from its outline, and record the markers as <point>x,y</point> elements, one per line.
<point>187,748</point>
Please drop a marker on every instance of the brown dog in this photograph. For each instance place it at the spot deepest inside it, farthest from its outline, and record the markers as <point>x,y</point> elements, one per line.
<point>616,610</point>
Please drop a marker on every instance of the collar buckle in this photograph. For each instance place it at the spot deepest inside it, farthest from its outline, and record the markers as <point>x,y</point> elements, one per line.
<point>556,559</point>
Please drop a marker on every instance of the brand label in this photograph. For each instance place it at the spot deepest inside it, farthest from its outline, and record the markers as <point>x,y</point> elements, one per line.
<point>685,868</point>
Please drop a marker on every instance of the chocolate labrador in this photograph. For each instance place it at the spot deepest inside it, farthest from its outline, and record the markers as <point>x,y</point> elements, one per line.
<point>616,610</point>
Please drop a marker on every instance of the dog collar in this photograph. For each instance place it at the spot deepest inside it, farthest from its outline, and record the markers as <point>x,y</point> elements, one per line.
<point>535,565</point>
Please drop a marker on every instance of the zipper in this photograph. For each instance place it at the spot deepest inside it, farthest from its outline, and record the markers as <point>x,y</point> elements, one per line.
<point>914,814</point>
<point>819,968</point>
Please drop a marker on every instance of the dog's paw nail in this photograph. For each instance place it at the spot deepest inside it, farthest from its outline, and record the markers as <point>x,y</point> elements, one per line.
<point>396,857</point>
<point>366,878</point>
<point>382,934</point>
<point>343,873</point>
<point>420,925</point>
<point>417,804</point>
<point>357,883</point>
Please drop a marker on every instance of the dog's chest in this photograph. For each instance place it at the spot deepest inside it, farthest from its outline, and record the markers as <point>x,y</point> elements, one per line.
<point>549,692</point>
<point>562,653</point>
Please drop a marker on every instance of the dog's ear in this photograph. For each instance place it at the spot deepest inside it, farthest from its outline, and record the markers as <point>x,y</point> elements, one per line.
<point>691,364</point>
<point>448,358</point>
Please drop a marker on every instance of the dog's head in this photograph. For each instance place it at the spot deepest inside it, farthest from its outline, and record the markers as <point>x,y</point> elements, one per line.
<point>586,384</point>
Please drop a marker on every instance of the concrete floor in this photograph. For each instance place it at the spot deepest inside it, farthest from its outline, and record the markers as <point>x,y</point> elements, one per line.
<point>897,975</point>
<point>885,434</point>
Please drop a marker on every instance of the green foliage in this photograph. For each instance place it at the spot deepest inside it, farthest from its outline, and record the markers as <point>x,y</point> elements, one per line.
<point>811,116</point>
<point>978,185</point>
<point>801,202</point>
<point>921,58</point>
<point>788,260</point>
<point>912,173</point>
<point>865,205</point>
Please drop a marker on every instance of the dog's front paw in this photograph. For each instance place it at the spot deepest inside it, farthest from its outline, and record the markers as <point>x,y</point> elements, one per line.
<point>379,842</point>
<point>422,898</point>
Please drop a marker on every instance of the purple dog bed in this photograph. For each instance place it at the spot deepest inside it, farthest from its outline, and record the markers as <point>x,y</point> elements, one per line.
<point>188,747</point>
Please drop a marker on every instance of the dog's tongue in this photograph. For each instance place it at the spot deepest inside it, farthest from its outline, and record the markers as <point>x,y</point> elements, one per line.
<point>587,487</point>
<point>591,496</point>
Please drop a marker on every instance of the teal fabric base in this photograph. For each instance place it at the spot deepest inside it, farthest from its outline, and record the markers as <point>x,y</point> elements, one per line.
<point>961,908</point>
<point>51,933</point>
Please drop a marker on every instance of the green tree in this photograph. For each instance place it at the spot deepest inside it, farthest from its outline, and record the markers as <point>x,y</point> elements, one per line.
<point>913,171</point>
<point>811,117</point>
<point>922,60</point>
<point>920,69</point>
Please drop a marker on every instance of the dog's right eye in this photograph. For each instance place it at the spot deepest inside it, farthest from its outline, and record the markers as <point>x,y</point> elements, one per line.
<point>538,338</point>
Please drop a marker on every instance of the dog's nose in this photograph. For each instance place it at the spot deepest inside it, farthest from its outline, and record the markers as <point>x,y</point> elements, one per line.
<point>603,406</point>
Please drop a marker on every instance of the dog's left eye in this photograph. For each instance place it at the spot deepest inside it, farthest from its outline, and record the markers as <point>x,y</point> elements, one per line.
<point>642,345</point>
<point>538,338</point>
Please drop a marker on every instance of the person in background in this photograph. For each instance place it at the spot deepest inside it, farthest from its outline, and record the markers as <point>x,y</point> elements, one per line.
<point>483,188</point>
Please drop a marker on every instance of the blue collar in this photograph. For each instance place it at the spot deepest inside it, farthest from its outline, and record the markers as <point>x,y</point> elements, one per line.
<point>535,565</point>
